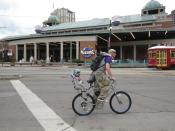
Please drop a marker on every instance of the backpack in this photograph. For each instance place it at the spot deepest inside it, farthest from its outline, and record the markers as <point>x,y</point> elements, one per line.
<point>96,62</point>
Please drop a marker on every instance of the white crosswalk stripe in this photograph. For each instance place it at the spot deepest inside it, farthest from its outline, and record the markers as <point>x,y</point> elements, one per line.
<point>48,119</point>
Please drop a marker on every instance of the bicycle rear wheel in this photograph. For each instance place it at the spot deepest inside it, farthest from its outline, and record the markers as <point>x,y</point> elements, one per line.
<point>120,102</point>
<point>83,105</point>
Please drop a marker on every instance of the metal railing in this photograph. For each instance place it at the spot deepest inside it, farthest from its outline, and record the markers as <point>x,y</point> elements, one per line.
<point>129,63</point>
<point>125,63</point>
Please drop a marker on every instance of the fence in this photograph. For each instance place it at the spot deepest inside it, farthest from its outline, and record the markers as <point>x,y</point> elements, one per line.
<point>129,63</point>
<point>125,63</point>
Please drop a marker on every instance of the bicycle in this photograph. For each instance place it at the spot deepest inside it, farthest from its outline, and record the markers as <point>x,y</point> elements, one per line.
<point>84,103</point>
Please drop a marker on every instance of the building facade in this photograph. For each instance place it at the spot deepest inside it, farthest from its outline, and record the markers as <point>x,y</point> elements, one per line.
<point>131,37</point>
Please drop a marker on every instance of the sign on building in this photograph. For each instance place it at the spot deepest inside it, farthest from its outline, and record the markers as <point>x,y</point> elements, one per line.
<point>87,52</point>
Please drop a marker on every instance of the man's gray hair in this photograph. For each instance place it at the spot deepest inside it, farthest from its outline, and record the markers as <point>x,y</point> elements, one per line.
<point>111,51</point>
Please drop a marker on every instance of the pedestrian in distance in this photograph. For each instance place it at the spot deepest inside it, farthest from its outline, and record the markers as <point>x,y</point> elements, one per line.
<point>31,60</point>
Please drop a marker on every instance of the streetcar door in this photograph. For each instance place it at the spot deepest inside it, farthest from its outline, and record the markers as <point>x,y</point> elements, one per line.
<point>161,58</point>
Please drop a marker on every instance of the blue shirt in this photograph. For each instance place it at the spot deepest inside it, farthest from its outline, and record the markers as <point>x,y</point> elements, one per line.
<point>108,59</point>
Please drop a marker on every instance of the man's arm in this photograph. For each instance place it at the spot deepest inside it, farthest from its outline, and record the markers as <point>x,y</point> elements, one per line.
<point>108,69</point>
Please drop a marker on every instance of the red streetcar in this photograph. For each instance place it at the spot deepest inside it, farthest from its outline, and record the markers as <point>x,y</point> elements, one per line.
<point>162,57</point>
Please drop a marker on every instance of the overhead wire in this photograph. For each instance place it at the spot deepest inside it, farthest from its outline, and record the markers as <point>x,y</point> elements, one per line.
<point>1,15</point>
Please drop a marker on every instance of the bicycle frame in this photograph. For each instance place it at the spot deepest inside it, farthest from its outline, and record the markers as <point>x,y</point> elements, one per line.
<point>78,85</point>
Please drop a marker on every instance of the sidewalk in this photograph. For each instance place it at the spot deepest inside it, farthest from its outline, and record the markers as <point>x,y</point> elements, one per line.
<point>27,64</point>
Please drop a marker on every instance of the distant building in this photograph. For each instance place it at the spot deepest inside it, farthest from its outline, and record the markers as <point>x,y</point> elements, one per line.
<point>64,15</point>
<point>58,16</point>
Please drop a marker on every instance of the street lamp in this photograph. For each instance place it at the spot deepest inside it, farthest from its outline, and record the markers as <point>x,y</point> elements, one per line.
<point>114,23</point>
<point>109,38</point>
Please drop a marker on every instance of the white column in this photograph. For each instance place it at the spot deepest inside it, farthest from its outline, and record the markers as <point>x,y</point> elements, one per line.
<point>121,52</point>
<point>35,51</point>
<point>16,52</point>
<point>47,52</point>
<point>61,51</point>
<point>25,52</point>
<point>135,53</point>
<point>77,49</point>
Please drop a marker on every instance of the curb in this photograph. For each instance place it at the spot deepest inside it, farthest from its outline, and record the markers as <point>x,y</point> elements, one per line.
<point>10,77</point>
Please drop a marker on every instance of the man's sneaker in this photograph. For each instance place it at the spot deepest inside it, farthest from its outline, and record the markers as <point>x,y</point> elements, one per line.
<point>106,100</point>
<point>101,99</point>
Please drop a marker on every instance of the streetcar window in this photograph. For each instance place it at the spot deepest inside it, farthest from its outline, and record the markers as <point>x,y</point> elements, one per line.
<point>153,55</point>
<point>172,54</point>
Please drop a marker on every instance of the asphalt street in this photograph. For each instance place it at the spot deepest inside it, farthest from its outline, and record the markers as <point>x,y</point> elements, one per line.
<point>41,98</point>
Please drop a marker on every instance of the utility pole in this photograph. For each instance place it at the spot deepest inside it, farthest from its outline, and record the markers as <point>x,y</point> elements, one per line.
<point>109,38</point>
<point>112,23</point>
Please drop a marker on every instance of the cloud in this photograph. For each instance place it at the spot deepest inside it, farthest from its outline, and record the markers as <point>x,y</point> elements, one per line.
<point>4,5</point>
<point>7,4</point>
<point>8,26</point>
<point>21,16</point>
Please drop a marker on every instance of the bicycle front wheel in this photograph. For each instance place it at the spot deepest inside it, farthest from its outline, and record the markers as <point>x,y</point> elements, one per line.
<point>83,105</point>
<point>120,102</point>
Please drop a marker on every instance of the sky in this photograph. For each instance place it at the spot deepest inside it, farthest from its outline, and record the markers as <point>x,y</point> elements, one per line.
<point>20,17</point>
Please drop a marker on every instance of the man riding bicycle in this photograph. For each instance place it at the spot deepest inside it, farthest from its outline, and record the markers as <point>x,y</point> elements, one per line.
<point>84,102</point>
<point>103,75</point>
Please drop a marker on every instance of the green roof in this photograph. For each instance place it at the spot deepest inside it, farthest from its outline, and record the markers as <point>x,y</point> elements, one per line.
<point>153,4</point>
<point>136,18</point>
<point>99,22</point>
<point>53,18</point>
<point>80,24</point>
